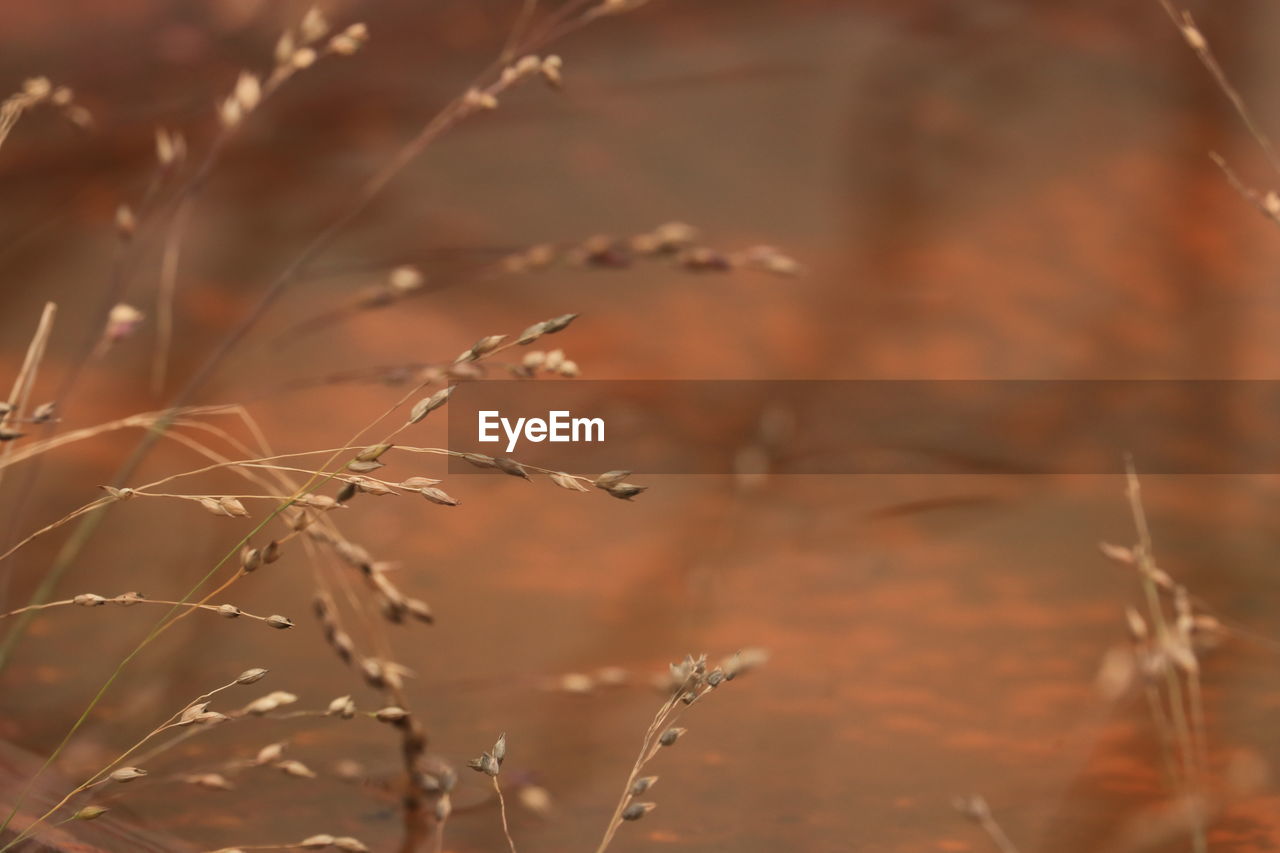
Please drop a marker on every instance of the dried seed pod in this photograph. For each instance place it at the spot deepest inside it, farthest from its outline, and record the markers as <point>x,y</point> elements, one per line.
<point>321,502</point>
<point>549,68</point>
<point>405,279</point>
<point>248,91</point>
<point>347,844</point>
<point>347,492</point>
<point>536,799</point>
<point>576,682</point>
<point>671,735</point>
<point>486,764</point>
<point>122,321</point>
<point>635,811</point>
<point>43,413</point>
<point>642,784</point>
<point>625,491</point>
<point>210,718</point>
<point>89,813</point>
<point>118,494</point>
<point>438,496</point>
<point>128,599</point>
<point>420,610</point>
<point>443,808</point>
<point>295,768</point>
<point>212,781</point>
<point>500,748</point>
<point>313,26</point>
<point>251,676</point>
<point>373,452</point>
<point>271,553</point>
<point>483,347</point>
<point>316,842</point>
<point>250,559</point>
<point>275,620</point>
<point>567,481</point>
<point>359,466</point>
<point>531,334</point>
<point>480,460</point>
<point>343,707</point>
<point>391,714</point>
<point>88,599</point>
<point>127,774</point>
<point>372,487</point>
<point>270,753</point>
<point>511,467</point>
<point>610,478</point>
<point>428,405</point>
<point>228,610</point>
<point>7,434</point>
<point>191,712</point>
<point>419,483</point>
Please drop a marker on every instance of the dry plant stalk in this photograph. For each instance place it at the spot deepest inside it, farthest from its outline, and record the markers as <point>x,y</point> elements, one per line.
<point>308,515</point>
<point>1164,647</point>
<point>690,681</point>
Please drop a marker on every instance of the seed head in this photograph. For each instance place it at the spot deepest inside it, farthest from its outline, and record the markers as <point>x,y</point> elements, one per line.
<point>635,811</point>
<point>671,735</point>
<point>89,813</point>
<point>251,676</point>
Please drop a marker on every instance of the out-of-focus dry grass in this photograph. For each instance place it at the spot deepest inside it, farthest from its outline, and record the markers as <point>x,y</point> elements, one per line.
<point>988,191</point>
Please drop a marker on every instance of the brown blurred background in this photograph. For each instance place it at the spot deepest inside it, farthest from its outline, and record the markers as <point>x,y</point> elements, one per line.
<point>982,190</point>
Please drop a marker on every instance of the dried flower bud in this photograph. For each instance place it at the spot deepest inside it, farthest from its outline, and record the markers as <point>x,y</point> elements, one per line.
<point>642,784</point>
<point>316,842</point>
<point>212,781</point>
<point>275,620</point>
<point>671,735</point>
<point>271,553</point>
<point>127,774</point>
<point>625,491</point>
<point>443,808</point>
<point>500,748</point>
<point>428,405</point>
<point>611,478</point>
<point>228,610</point>
<point>438,496</point>
<point>347,844</point>
<point>250,558</point>
<point>270,753</point>
<point>479,100</point>
<point>314,26</point>
<point>190,713</point>
<point>248,92</point>
<point>122,321</point>
<point>391,715</point>
<point>550,70</point>
<point>89,813</point>
<point>343,707</point>
<point>295,768</point>
<point>635,811</point>
<point>88,599</point>
<point>303,58</point>
<point>43,413</point>
<point>405,279</point>
<point>128,599</point>
<point>251,676</point>
<point>420,610</point>
<point>511,467</point>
